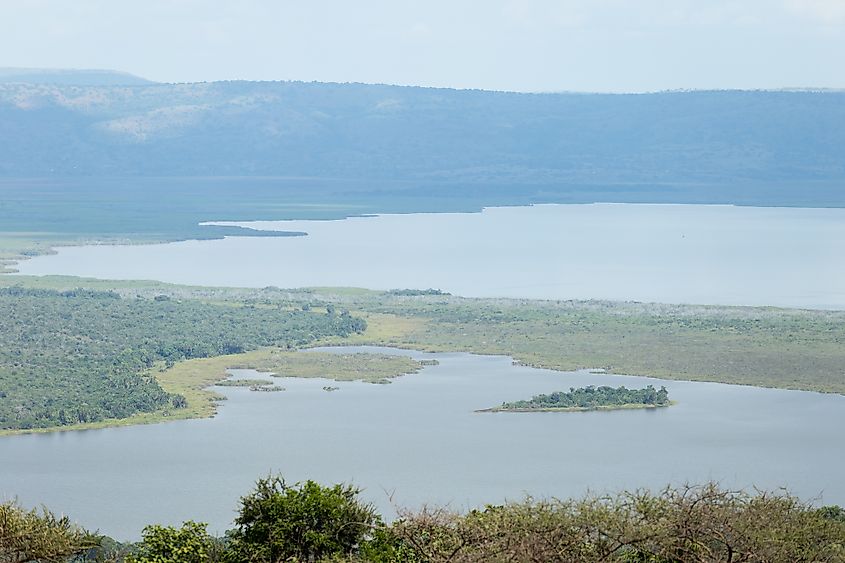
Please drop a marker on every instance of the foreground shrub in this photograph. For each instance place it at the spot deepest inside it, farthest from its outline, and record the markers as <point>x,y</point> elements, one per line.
<point>309,522</point>
<point>303,522</point>
<point>166,544</point>
<point>690,524</point>
<point>30,536</point>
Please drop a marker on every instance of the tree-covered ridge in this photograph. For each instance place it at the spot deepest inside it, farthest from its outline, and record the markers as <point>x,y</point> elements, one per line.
<point>591,397</point>
<point>492,140</point>
<point>84,356</point>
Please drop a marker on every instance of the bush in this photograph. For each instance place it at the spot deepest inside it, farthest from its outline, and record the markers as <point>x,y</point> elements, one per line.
<point>303,522</point>
<point>166,544</point>
<point>690,524</point>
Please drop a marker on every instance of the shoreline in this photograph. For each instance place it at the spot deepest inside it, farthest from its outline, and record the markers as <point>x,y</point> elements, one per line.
<point>440,324</point>
<point>196,377</point>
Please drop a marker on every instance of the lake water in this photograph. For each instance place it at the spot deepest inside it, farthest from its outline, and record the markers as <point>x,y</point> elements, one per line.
<point>707,254</point>
<point>418,440</point>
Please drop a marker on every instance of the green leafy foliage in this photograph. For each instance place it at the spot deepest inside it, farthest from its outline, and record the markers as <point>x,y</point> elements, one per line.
<point>833,512</point>
<point>84,356</point>
<point>591,397</point>
<point>165,544</point>
<point>303,522</point>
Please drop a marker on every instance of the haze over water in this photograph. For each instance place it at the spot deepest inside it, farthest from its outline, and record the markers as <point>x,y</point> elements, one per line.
<point>790,257</point>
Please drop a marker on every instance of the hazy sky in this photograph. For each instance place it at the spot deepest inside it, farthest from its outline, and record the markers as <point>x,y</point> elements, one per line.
<point>524,45</point>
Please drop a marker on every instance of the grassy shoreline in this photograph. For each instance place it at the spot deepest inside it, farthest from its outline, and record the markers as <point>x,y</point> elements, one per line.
<point>194,379</point>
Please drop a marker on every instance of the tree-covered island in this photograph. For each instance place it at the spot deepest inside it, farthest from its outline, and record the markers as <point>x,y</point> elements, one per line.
<point>590,398</point>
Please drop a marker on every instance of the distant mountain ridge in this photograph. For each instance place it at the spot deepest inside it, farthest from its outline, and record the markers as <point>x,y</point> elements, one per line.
<point>75,77</point>
<point>384,132</point>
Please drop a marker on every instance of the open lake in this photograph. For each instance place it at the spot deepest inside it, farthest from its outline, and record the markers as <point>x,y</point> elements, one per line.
<point>418,440</point>
<point>708,254</point>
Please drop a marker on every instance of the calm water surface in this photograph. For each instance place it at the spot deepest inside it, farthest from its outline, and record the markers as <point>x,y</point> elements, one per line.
<point>418,440</point>
<point>661,253</point>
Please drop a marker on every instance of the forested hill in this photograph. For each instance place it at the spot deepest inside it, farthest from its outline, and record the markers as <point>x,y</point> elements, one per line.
<point>324,130</point>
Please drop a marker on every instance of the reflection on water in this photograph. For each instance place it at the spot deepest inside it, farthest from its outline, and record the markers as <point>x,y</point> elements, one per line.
<point>418,440</point>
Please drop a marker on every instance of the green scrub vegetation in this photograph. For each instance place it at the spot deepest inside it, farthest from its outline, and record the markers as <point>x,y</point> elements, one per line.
<point>759,346</point>
<point>590,398</point>
<point>84,356</point>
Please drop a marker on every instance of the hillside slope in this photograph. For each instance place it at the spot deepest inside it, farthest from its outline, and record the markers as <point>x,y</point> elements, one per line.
<point>389,132</point>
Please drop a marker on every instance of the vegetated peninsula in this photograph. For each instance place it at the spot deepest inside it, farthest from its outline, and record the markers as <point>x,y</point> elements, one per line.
<point>590,398</point>
<point>61,336</point>
<point>85,357</point>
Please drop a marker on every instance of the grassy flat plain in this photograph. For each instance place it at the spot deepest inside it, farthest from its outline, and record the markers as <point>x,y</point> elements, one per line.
<point>758,346</point>
<point>192,378</point>
<point>766,347</point>
<point>371,368</point>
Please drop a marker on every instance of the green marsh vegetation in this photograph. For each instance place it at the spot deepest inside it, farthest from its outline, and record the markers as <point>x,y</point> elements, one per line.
<point>253,384</point>
<point>244,383</point>
<point>368,367</point>
<point>759,346</point>
<point>192,378</point>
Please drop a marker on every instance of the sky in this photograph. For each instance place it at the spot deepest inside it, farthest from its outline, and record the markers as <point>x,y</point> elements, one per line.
<point>516,45</point>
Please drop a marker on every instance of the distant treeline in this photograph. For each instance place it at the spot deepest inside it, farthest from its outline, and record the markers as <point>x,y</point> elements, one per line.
<point>310,522</point>
<point>416,292</point>
<point>84,356</point>
<point>591,397</point>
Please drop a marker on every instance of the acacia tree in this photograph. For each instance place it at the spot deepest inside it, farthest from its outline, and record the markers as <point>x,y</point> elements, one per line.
<point>703,524</point>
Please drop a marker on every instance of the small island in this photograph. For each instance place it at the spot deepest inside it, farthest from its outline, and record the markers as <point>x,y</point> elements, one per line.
<point>252,384</point>
<point>589,399</point>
